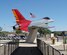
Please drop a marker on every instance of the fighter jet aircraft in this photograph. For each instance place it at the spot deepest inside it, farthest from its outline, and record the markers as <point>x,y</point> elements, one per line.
<point>24,23</point>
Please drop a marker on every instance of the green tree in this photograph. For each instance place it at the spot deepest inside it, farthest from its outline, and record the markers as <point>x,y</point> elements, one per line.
<point>44,31</point>
<point>57,33</point>
<point>4,33</point>
<point>0,29</point>
<point>18,31</point>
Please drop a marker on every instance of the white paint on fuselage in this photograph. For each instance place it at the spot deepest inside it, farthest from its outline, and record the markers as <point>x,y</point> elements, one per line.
<point>41,23</point>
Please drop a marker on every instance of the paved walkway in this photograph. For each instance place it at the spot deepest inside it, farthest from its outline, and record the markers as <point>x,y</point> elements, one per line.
<point>24,44</point>
<point>27,49</point>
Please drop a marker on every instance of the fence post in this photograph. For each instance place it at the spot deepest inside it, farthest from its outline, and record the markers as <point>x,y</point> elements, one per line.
<point>44,48</point>
<point>52,51</point>
<point>47,50</point>
<point>4,49</point>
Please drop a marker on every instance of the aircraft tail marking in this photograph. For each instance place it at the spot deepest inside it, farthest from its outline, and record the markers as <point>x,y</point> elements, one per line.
<point>21,21</point>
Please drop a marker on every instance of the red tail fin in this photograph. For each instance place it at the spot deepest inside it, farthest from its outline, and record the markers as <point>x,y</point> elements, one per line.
<point>23,23</point>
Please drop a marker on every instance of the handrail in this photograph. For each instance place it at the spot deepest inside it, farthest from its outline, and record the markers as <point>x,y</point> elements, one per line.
<point>46,49</point>
<point>8,47</point>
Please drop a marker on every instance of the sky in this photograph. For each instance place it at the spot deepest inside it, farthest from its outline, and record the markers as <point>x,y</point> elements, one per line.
<point>54,9</point>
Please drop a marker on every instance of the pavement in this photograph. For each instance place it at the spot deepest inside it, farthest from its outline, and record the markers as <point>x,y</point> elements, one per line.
<point>25,44</point>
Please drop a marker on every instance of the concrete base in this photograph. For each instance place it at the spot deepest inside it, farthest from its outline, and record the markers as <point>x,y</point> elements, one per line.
<point>32,35</point>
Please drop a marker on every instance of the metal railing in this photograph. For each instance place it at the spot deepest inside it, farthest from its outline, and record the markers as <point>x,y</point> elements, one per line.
<point>9,47</point>
<point>47,49</point>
